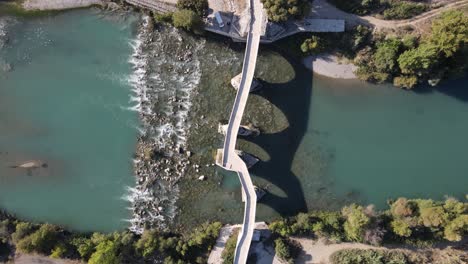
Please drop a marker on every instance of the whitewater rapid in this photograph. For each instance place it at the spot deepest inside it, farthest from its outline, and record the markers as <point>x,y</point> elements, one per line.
<point>166,72</point>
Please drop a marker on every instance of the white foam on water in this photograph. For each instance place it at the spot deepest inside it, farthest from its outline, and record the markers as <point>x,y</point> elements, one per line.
<point>162,88</point>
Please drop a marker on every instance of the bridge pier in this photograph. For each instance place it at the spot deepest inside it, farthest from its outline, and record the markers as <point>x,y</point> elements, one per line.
<point>235,82</point>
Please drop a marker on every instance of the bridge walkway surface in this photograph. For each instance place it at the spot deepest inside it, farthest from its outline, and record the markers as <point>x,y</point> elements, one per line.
<point>230,160</point>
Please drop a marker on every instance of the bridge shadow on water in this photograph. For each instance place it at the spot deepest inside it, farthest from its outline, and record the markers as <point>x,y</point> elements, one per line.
<point>293,99</point>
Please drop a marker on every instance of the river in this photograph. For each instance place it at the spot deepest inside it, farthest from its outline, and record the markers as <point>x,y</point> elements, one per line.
<point>67,100</point>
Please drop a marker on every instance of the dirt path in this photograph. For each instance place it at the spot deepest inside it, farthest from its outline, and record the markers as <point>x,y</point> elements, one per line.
<point>58,4</point>
<point>318,252</point>
<point>36,259</point>
<point>323,9</point>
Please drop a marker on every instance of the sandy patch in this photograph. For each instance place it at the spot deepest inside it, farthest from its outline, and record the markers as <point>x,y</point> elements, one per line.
<point>329,65</point>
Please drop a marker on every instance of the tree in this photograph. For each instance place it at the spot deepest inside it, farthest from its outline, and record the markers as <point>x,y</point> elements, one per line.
<point>198,6</point>
<point>403,10</point>
<point>455,208</point>
<point>356,221</point>
<point>59,251</point>
<point>457,228</point>
<point>148,243</point>
<point>280,227</point>
<point>106,253</point>
<point>282,10</point>
<point>407,82</point>
<point>186,19</point>
<point>401,227</point>
<point>418,61</point>
<point>433,216</point>
<point>311,45</point>
<point>22,230</point>
<point>402,208</point>
<point>41,241</point>
<point>283,250</point>
<point>450,32</point>
<point>386,55</point>
<point>84,246</point>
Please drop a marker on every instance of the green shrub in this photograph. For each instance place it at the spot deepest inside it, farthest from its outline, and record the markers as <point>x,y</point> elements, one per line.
<point>286,250</point>
<point>403,9</point>
<point>42,241</point>
<point>359,7</point>
<point>368,256</point>
<point>107,252</point>
<point>198,6</point>
<point>187,19</point>
<point>84,246</point>
<point>312,45</point>
<point>162,18</point>
<point>457,228</point>
<point>356,222</point>
<point>59,251</point>
<point>229,249</point>
<point>407,82</point>
<point>282,10</point>
<point>22,230</point>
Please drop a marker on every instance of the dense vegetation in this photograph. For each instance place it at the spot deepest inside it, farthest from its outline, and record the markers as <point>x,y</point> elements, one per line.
<point>286,249</point>
<point>359,7</point>
<point>115,248</point>
<point>387,9</point>
<point>397,256</point>
<point>407,61</point>
<point>186,19</point>
<point>282,10</point>
<point>414,221</point>
<point>198,6</point>
<point>402,9</point>
<point>359,256</point>
<point>229,249</point>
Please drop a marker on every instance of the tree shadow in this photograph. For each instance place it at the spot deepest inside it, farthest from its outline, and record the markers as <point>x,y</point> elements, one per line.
<point>452,87</point>
<point>293,99</point>
<point>455,88</point>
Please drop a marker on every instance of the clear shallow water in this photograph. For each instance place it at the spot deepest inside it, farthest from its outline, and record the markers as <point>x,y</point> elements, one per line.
<point>326,143</point>
<point>387,142</point>
<point>364,143</point>
<point>65,103</point>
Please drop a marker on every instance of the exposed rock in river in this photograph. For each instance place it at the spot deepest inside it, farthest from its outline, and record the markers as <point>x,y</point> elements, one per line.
<point>166,73</point>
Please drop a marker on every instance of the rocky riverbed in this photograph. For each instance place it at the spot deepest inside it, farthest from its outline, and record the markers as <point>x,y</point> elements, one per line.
<point>166,75</point>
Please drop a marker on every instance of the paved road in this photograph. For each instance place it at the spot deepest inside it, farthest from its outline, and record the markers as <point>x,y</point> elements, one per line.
<point>231,161</point>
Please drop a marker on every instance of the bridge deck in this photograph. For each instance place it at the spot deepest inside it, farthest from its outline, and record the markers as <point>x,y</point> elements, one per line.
<point>230,160</point>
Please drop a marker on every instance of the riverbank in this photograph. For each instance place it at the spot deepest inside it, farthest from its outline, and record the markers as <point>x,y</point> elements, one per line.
<point>330,66</point>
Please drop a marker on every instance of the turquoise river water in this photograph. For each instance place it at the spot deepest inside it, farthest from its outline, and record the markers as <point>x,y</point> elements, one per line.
<point>65,100</point>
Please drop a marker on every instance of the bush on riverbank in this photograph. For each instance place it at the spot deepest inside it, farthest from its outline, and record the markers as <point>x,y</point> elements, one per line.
<point>286,249</point>
<point>113,248</point>
<point>413,221</point>
<point>282,10</point>
<point>187,19</point>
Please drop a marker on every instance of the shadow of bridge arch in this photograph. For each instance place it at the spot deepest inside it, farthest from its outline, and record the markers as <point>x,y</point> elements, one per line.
<point>293,98</point>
